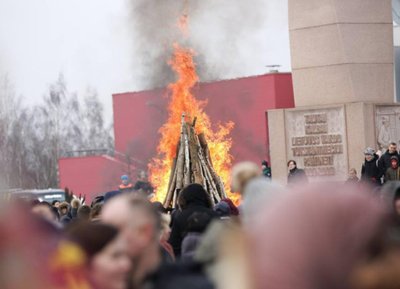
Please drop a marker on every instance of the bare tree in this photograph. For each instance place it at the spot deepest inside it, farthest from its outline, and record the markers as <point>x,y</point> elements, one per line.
<point>33,139</point>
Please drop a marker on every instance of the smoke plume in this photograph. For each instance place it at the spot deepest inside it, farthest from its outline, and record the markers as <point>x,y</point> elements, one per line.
<point>227,36</point>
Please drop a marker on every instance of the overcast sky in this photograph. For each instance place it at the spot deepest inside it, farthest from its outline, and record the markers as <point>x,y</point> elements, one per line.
<point>92,42</point>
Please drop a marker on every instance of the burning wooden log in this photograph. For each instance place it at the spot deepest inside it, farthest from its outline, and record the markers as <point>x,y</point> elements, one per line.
<point>193,164</point>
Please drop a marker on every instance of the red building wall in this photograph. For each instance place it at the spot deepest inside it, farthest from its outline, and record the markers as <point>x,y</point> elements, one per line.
<point>139,115</point>
<point>91,175</point>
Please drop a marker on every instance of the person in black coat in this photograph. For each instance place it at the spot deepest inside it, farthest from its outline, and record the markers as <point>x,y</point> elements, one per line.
<point>295,175</point>
<point>370,172</point>
<point>195,199</point>
<point>385,160</point>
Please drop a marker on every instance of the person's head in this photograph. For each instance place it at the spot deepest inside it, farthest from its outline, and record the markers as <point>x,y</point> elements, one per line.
<point>84,213</point>
<point>95,212</point>
<point>369,154</point>
<point>316,236</point>
<point>63,208</point>
<point>222,209</point>
<point>75,203</point>
<point>125,180</point>
<point>352,173</point>
<point>137,219</point>
<point>264,164</point>
<point>259,194</point>
<point>144,188</point>
<point>107,256</point>
<point>392,147</point>
<point>195,194</point>
<point>241,174</point>
<point>142,176</point>
<point>55,203</point>
<point>394,162</point>
<point>291,164</point>
<point>159,207</point>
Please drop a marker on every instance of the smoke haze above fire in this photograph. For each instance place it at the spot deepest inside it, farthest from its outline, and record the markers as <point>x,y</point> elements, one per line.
<point>228,36</point>
<point>123,45</point>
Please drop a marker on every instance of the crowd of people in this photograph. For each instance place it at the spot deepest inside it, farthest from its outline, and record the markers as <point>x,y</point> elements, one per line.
<point>379,168</point>
<point>307,236</point>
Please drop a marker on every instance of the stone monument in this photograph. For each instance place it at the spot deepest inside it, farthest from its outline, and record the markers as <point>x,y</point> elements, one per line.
<point>342,67</point>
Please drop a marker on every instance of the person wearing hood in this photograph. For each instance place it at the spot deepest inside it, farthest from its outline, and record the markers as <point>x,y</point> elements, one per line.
<point>370,173</point>
<point>196,200</point>
<point>393,172</point>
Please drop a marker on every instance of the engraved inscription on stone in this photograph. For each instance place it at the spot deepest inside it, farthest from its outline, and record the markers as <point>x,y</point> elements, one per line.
<point>316,140</point>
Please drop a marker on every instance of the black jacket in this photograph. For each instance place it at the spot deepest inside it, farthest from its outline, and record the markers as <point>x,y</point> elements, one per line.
<point>297,175</point>
<point>196,200</point>
<point>370,172</point>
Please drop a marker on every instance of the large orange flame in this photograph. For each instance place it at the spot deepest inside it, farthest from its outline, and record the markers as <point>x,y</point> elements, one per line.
<point>183,101</point>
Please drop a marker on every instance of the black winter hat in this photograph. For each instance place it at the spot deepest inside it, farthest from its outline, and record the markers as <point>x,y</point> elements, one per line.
<point>195,194</point>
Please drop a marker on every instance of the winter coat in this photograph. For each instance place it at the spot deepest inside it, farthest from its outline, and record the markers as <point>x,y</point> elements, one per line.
<point>66,219</point>
<point>296,176</point>
<point>189,245</point>
<point>384,162</point>
<point>196,200</point>
<point>267,172</point>
<point>370,172</point>
<point>392,174</point>
<point>188,275</point>
<point>74,213</point>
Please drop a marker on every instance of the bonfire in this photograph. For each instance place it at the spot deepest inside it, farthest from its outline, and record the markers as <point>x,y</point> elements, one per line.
<point>190,150</point>
<point>193,164</point>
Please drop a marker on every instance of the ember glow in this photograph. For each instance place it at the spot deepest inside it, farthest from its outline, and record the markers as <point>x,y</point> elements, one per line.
<point>183,101</point>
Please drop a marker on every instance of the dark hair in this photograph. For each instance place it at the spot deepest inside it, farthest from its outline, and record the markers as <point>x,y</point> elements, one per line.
<point>195,194</point>
<point>91,237</point>
<point>84,212</point>
<point>160,208</point>
<point>63,205</point>
<point>291,161</point>
<point>54,202</point>
<point>393,144</point>
<point>95,211</point>
<point>97,200</point>
<point>146,187</point>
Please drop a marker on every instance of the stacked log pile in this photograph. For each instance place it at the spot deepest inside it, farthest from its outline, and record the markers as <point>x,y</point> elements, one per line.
<point>193,164</point>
